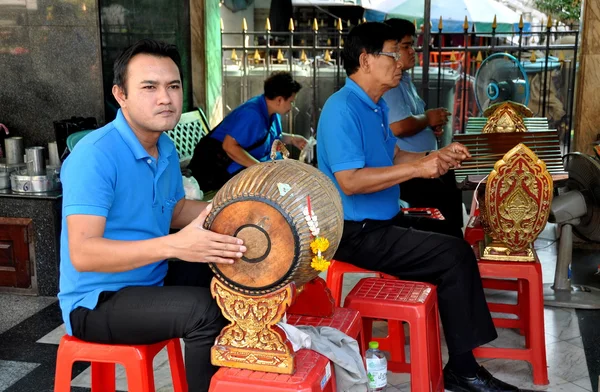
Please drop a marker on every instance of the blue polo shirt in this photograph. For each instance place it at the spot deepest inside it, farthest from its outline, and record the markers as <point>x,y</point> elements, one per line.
<point>110,174</point>
<point>248,124</point>
<point>354,133</point>
<point>404,101</point>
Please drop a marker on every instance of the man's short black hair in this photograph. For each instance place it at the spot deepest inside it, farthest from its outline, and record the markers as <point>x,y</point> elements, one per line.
<point>145,46</point>
<point>402,28</point>
<point>281,84</point>
<point>368,37</point>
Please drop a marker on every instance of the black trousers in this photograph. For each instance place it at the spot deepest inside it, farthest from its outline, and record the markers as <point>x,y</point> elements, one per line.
<point>183,308</point>
<point>441,193</point>
<point>413,249</point>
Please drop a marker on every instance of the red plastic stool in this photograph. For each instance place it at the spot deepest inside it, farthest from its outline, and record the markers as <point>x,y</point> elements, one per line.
<point>314,372</point>
<point>395,340</point>
<point>530,310</point>
<point>415,303</point>
<point>335,277</point>
<point>137,361</point>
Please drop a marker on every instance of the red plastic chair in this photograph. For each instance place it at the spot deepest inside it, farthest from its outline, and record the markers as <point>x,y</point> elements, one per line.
<point>313,372</point>
<point>411,302</point>
<point>395,339</point>
<point>137,360</point>
<point>530,309</point>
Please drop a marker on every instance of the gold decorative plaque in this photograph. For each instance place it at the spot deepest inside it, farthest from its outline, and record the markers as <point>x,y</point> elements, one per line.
<point>518,195</point>
<point>506,117</point>
<point>252,340</point>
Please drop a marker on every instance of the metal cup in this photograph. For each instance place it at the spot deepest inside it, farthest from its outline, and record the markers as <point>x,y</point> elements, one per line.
<point>14,150</point>
<point>34,156</point>
<point>53,154</point>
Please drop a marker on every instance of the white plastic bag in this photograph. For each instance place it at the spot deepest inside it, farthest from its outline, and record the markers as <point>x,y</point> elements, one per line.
<point>192,189</point>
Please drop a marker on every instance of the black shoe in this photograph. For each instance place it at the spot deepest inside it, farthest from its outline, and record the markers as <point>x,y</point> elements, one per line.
<point>482,382</point>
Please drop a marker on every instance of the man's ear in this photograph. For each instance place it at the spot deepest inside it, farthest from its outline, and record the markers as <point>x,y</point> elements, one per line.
<point>363,60</point>
<point>119,95</point>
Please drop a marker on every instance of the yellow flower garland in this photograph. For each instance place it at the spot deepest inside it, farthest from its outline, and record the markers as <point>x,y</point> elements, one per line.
<point>319,245</point>
<point>319,263</point>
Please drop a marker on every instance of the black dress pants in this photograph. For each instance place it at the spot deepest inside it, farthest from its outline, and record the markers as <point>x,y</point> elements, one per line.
<point>413,249</point>
<point>183,308</point>
<point>441,193</point>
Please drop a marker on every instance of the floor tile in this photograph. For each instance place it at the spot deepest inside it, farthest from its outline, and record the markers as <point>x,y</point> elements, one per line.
<point>13,371</point>
<point>561,323</point>
<point>584,383</point>
<point>54,336</point>
<point>566,361</point>
<point>16,308</point>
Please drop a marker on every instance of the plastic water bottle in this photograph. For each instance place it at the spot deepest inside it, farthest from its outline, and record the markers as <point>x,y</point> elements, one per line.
<point>376,368</point>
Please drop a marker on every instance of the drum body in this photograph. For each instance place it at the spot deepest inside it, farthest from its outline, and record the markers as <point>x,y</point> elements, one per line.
<point>265,206</point>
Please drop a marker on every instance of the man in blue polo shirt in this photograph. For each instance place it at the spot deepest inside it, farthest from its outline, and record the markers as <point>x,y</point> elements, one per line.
<point>417,130</point>
<point>122,191</point>
<point>246,135</point>
<point>358,152</point>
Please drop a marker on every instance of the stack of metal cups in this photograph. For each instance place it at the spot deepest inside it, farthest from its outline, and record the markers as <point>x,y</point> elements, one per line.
<point>13,146</point>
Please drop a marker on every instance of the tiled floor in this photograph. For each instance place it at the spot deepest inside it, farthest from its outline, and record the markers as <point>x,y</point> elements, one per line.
<point>30,329</point>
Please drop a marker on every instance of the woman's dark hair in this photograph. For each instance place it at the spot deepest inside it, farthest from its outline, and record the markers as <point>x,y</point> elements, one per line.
<point>145,46</point>
<point>402,28</point>
<point>367,37</point>
<point>281,84</point>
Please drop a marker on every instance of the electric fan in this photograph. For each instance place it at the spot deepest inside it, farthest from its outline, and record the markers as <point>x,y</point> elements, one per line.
<point>501,78</point>
<point>576,208</point>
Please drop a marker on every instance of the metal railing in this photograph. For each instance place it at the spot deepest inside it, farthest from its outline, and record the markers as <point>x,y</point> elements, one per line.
<point>446,75</point>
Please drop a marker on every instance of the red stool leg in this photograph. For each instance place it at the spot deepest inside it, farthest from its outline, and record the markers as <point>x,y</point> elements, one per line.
<point>64,365</point>
<point>367,331</point>
<point>395,343</point>
<point>419,357</point>
<point>177,366</point>
<point>140,373</point>
<point>335,279</point>
<point>523,302</point>
<point>103,377</point>
<point>436,374</point>
<point>536,333</point>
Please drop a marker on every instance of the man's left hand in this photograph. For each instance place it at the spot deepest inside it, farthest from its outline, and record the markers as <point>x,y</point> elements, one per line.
<point>299,141</point>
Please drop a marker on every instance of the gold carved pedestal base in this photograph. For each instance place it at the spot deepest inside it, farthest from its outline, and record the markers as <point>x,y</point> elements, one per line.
<point>500,252</point>
<point>252,341</point>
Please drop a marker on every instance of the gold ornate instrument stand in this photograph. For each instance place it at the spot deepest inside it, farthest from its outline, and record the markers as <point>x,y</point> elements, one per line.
<point>518,195</point>
<point>252,340</point>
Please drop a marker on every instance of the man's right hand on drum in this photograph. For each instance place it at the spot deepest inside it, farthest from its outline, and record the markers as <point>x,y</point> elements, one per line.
<point>194,243</point>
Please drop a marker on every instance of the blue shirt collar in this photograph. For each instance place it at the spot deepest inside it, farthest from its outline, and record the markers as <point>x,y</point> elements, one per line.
<point>362,95</point>
<point>165,148</point>
<point>406,77</point>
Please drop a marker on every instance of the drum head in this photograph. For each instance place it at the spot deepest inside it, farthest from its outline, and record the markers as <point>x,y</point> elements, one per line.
<point>269,238</point>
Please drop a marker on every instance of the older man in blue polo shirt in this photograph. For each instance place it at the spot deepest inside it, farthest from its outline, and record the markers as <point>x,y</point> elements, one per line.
<point>122,191</point>
<point>246,135</point>
<point>358,152</point>
<point>417,130</point>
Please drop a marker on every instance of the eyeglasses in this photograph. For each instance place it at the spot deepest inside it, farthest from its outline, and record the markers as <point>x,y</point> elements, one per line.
<point>395,55</point>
